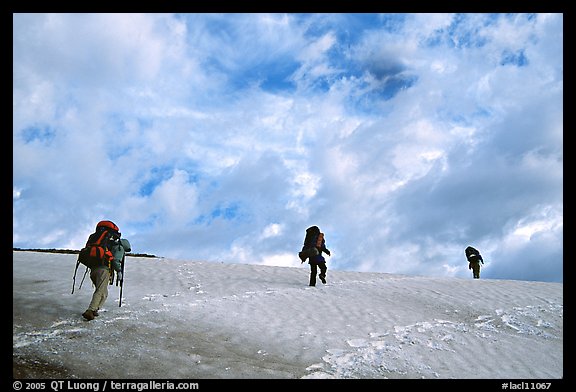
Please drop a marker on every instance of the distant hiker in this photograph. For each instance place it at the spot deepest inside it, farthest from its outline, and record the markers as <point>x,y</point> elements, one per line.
<point>314,245</point>
<point>474,260</point>
<point>103,254</point>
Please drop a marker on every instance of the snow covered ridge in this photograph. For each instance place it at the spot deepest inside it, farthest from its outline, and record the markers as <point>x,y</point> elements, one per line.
<point>207,320</point>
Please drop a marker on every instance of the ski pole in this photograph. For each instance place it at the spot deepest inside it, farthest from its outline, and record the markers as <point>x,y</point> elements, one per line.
<point>83,277</point>
<point>122,281</point>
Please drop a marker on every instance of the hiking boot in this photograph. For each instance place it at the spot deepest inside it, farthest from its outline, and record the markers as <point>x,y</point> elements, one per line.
<point>322,278</point>
<point>95,313</point>
<point>88,315</point>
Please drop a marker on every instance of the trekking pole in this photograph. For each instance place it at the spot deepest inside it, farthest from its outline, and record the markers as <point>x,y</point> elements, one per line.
<point>122,281</point>
<point>74,277</point>
<point>83,277</point>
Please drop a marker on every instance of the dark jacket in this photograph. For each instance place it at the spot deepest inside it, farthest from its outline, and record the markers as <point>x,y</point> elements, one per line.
<point>323,249</point>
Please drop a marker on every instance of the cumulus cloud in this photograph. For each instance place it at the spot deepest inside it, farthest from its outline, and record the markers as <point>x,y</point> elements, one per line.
<point>405,137</point>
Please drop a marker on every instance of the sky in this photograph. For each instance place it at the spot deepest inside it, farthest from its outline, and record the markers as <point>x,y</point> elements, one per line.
<point>405,137</point>
<point>195,321</point>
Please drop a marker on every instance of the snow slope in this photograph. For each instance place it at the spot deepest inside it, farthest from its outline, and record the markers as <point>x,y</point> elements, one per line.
<point>206,320</point>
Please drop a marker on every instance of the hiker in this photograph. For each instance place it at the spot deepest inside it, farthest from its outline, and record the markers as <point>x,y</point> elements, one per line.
<point>119,250</point>
<point>314,245</point>
<point>474,260</point>
<point>102,274</point>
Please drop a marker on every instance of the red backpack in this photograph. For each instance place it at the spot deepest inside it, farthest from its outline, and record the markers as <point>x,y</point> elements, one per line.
<point>97,250</point>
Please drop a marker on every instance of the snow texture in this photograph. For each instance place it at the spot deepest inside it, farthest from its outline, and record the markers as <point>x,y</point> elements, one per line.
<point>207,320</point>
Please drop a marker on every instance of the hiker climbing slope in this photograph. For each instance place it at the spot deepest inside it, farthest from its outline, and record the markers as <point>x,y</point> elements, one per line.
<point>314,245</point>
<point>99,257</point>
<point>474,259</point>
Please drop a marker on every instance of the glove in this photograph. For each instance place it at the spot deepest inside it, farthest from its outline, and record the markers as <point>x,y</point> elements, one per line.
<point>327,252</point>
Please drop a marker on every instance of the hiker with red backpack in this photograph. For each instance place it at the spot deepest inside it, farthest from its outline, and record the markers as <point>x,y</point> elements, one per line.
<point>314,245</point>
<point>103,254</point>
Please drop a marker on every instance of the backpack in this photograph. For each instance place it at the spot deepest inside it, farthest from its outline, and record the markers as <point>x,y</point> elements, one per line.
<point>312,243</point>
<point>472,254</point>
<point>97,250</point>
<point>311,238</point>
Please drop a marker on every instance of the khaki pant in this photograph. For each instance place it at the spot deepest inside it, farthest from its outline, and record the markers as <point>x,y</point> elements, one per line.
<point>100,276</point>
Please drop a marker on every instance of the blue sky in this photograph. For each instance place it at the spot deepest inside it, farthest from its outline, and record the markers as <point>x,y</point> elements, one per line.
<point>222,137</point>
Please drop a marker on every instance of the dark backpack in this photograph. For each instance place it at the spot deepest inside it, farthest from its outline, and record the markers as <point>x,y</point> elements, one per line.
<point>97,251</point>
<point>312,243</point>
<point>311,238</point>
<point>472,254</point>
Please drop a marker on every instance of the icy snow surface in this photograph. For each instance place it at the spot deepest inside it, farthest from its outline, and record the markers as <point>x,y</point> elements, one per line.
<point>209,320</point>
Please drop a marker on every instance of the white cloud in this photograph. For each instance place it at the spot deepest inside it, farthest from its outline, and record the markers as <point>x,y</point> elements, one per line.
<point>398,132</point>
<point>272,230</point>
